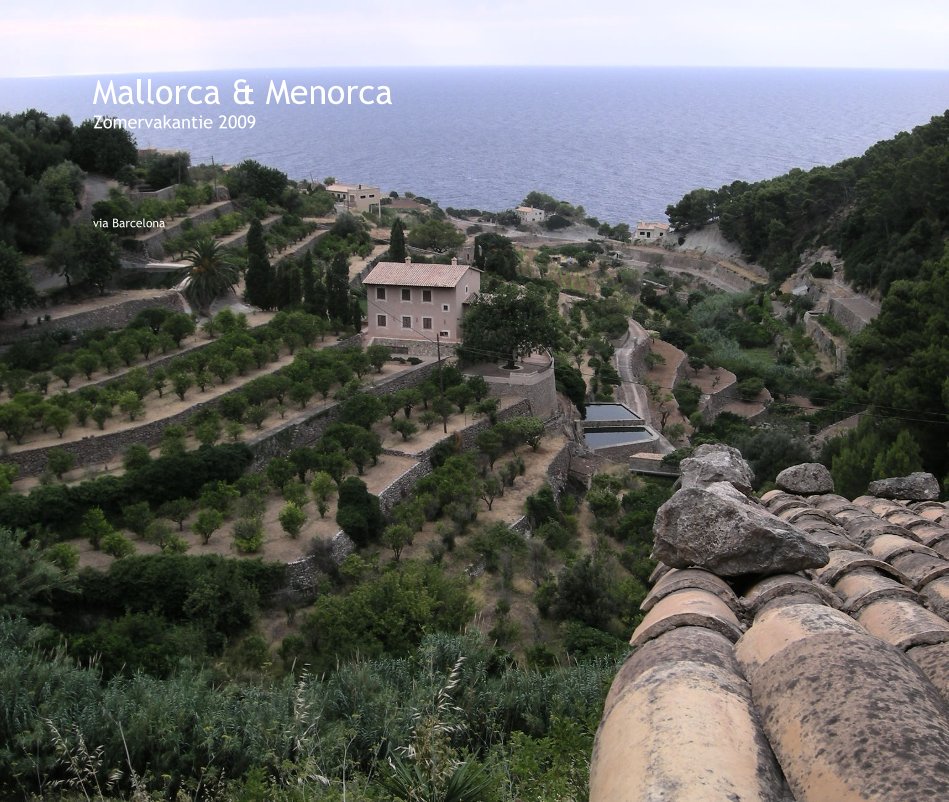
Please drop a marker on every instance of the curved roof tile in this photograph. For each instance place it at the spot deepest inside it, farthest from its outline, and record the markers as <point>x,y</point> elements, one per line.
<point>860,588</point>
<point>818,718</point>
<point>686,732</point>
<point>903,623</point>
<point>686,579</point>
<point>688,608</point>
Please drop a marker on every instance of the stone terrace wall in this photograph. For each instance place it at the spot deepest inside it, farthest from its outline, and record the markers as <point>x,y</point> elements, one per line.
<point>307,428</point>
<point>151,244</point>
<point>115,316</point>
<point>107,446</point>
<point>713,403</point>
<point>824,340</point>
<point>853,313</point>
<point>539,388</point>
<point>303,575</point>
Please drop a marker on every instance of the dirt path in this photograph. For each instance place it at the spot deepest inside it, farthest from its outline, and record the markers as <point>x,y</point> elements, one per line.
<point>631,392</point>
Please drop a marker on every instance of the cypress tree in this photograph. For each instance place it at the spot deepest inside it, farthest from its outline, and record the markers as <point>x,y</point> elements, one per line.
<point>288,292</point>
<point>337,289</point>
<point>397,252</point>
<point>259,279</point>
<point>314,290</point>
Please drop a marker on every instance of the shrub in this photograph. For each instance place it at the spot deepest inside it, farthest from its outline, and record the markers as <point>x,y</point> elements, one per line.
<point>59,462</point>
<point>95,527</point>
<point>117,545</point>
<point>137,517</point>
<point>64,556</point>
<point>207,523</point>
<point>358,512</point>
<point>248,535</point>
<point>292,519</point>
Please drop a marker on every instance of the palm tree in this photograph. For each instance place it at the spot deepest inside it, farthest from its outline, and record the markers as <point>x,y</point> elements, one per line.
<point>210,274</point>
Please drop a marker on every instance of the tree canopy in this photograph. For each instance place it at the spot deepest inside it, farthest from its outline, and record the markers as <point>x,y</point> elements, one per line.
<point>84,254</point>
<point>496,254</point>
<point>510,322</point>
<point>16,287</point>
<point>885,212</point>
<point>435,235</point>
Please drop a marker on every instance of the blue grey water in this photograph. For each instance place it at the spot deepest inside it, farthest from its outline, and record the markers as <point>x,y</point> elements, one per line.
<point>623,142</point>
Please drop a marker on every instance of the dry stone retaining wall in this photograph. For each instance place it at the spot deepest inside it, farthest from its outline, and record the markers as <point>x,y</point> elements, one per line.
<point>302,574</point>
<point>108,446</point>
<point>116,316</point>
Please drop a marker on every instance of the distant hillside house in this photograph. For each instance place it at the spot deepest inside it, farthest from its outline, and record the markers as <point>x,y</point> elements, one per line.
<point>418,302</point>
<point>356,198</point>
<point>651,231</point>
<point>528,214</point>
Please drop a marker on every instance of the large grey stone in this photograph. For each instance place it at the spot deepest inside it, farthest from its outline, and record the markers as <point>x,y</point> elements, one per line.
<point>716,462</point>
<point>703,528</point>
<point>806,479</point>
<point>915,487</point>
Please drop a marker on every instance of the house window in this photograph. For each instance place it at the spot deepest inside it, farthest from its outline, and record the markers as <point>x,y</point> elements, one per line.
<point>406,322</point>
<point>381,321</point>
<point>380,293</point>
<point>444,307</point>
<point>406,294</point>
<point>443,334</point>
<point>426,296</point>
<point>427,323</point>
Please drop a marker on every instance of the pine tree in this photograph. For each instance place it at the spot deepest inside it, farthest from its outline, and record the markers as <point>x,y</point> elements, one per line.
<point>259,279</point>
<point>397,252</point>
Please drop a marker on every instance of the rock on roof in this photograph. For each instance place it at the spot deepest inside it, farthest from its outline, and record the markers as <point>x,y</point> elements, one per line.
<point>409,274</point>
<point>824,684</point>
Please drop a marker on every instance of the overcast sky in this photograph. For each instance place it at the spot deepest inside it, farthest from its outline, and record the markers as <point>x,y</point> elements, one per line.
<point>76,37</point>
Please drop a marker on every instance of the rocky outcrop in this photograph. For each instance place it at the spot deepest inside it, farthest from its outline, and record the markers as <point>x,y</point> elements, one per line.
<point>715,531</point>
<point>806,479</point>
<point>915,487</point>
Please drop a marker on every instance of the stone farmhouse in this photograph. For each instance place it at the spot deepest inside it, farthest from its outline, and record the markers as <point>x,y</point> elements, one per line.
<point>528,214</point>
<point>414,305</point>
<point>651,231</point>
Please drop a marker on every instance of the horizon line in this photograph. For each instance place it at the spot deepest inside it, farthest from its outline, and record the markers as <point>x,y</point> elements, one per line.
<point>799,67</point>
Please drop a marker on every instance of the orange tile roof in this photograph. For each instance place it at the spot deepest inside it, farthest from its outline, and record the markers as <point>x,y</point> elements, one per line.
<point>410,274</point>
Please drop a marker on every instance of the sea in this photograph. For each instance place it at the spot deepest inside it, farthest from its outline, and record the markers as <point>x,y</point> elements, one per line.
<point>622,142</point>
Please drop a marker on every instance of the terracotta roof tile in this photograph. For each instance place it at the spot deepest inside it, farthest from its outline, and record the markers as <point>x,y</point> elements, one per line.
<point>843,562</point>
<point>887,546</point>
<point>903,623</point>
<point>683,644</point>
<point>410,274</point>
<point>690,578</point>
<point>934,663</point>
<point>817,697</point>
<point>847,666</point>
<point>684,731</point>
<point>860,588</point>
<point>936,596</point>
<point>782,585</point>
<point>920,569</point>
<point>862,529</point>
<point>831,538</point>
<point>688,608</point>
